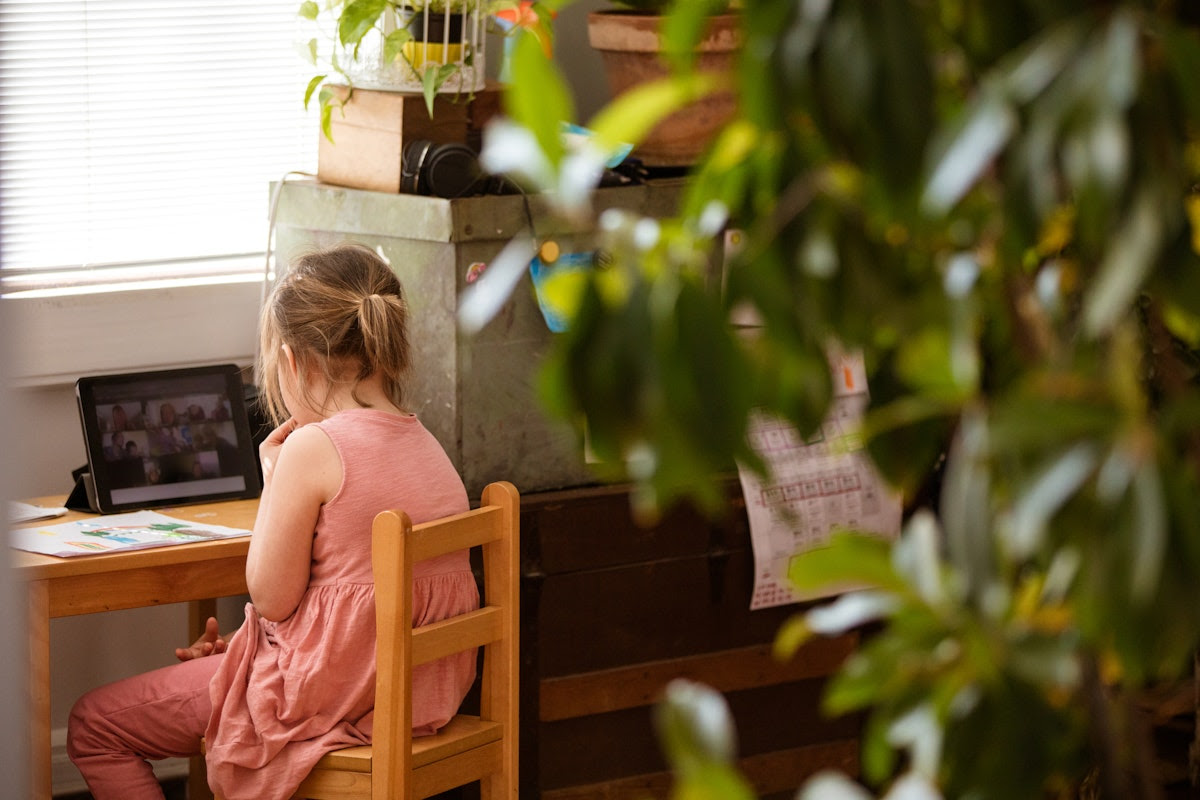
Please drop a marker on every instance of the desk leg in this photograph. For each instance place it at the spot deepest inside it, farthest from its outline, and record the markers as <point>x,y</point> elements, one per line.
<point>39,688</point>
<point>198,613</point>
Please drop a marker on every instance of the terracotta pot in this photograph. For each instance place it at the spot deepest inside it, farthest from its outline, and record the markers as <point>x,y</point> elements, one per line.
<point>630,45</point>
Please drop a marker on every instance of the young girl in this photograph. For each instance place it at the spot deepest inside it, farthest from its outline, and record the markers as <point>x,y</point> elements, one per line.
<point>297,680</point>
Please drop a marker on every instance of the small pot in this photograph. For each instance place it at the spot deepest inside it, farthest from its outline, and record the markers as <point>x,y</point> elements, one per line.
<point>438,21</point>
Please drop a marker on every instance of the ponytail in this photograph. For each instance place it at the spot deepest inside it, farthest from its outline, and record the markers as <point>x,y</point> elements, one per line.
<point>383,327</point>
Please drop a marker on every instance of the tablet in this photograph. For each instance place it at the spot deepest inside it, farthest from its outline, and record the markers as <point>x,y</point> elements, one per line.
<point>167,438</point>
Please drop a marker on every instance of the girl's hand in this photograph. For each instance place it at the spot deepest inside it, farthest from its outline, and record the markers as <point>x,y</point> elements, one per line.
<point>268,451</point>
<point>210,643</point>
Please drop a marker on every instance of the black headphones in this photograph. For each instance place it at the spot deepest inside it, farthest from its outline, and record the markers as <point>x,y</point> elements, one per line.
<point>445,169</point>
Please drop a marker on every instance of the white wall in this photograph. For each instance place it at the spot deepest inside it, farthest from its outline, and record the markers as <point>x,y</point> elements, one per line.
<point>14,734</point>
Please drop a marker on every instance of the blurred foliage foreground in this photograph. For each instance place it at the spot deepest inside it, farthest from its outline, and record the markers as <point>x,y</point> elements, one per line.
<point>997,203</point>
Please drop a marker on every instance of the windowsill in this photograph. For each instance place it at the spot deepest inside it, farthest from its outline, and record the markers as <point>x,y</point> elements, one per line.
<point>57,335</point>
<point>100,279</point>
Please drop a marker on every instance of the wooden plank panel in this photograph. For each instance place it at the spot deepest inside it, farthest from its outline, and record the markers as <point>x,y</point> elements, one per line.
<point>148,586</point>
<point>334,785</point>
<point>467,530</point>
<point>728,670</point>
<point>663,609</point>
<point>438,639</point>
<point>584,529</point>
<point>602,747</point>
<point>768,773</point>
<point>461,734</point>
<point>786,770</point>
<point>444,775</point>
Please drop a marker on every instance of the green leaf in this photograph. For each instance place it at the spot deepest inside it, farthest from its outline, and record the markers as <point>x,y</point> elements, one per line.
<point>683,28</point>
<point>1150,532</point>
<point>635,113</point>
<point>1182,324</point>
<point>1050,489</point>
<point>1121,60</point>
<point>878,756</point>
<point>393,45</point>
<point>924,363</point>
<point>312,87</point>
<point>432,80</point>
<point>539,99</point>
<point>791,636</point>
<point>978,138</point>
<point>1033,68</point>
<point>851,610</point>
<point>1129,259</point>
<point>966,511</point>
<point>848,559</point>
<point>831,785</point>
<point>695,726</point>
<point>1183,52</point>
<point>715,782</point>
<point>310,51</point>
<point>309,9</point>
<point>358,17</point>
<point>327,121</point>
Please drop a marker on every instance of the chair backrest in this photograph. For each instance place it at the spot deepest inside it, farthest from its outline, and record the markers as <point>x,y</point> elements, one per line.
<point>397,544</point>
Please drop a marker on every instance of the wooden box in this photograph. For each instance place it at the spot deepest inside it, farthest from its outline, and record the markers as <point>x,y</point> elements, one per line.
<point>371,129</point>
<point>611,612</point>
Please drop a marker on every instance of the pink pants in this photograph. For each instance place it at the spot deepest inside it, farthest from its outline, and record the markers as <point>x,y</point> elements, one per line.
<point>114,729</point>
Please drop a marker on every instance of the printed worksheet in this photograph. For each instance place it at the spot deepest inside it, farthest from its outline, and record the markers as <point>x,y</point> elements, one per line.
<point>115,532</point>
<point>814,487</point>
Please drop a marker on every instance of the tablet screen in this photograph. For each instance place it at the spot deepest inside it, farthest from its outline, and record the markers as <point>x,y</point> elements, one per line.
<point>170,437</point>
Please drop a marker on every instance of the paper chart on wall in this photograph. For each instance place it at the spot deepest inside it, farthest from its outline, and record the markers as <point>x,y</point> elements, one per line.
<point>814,486</point>
<point>115,532</point>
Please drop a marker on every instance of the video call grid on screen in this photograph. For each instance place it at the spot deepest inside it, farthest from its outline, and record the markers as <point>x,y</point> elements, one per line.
<point>167,438</point>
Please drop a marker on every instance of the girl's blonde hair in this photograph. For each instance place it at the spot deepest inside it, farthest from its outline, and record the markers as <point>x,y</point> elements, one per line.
<point>342,311</point>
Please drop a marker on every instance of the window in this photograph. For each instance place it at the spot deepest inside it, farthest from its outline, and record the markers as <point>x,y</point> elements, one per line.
<point>138,137</point>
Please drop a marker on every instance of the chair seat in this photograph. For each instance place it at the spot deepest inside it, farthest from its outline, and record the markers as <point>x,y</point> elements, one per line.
<point>462,733</point>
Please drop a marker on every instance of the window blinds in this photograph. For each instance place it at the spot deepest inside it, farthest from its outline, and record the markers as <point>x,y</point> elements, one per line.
<point>145,131</point>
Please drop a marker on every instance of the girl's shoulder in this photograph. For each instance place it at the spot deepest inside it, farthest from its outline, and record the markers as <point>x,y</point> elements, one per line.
<point>309,458</point>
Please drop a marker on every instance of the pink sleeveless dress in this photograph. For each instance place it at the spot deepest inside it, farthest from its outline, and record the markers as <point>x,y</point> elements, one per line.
<point>286,693</point>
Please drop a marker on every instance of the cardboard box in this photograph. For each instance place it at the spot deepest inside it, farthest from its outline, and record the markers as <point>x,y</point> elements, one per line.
<point>371,129</point>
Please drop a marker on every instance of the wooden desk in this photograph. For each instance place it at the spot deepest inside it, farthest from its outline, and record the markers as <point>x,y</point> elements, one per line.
<point>63,587</point>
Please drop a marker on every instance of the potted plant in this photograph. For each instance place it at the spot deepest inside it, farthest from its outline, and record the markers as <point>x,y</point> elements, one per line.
<point>636,48</point>
<point>998,204</point>
<point>427,46</point>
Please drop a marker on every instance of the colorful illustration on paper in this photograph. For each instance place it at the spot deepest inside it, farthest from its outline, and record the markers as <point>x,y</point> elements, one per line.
<point>134,531</point>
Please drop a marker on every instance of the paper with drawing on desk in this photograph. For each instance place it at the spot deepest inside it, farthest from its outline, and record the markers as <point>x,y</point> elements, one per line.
<point>114,533</point>
<point>814,486</point>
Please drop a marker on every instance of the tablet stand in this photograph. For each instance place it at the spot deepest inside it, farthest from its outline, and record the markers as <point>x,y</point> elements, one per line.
<point>83,496</point>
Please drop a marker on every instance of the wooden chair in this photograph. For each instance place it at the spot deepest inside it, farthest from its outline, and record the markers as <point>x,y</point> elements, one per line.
<point>469,748</point>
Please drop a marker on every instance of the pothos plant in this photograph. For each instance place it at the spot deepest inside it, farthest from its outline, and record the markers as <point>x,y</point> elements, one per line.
<point>348,22</point>
<point>998,204</point>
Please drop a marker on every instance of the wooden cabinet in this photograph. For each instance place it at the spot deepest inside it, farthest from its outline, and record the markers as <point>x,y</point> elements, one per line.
<point>612,611</point>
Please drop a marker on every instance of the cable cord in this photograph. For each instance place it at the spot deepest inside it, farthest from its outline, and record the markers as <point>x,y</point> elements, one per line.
<point>270,250</point>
